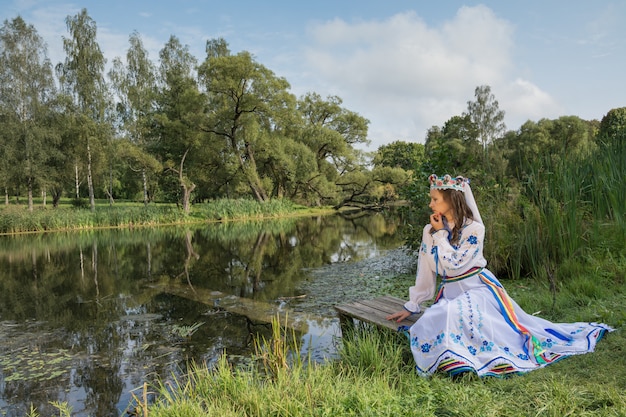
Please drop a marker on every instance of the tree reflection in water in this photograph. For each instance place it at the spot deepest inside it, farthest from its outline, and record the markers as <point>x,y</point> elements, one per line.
<point>86,318</point>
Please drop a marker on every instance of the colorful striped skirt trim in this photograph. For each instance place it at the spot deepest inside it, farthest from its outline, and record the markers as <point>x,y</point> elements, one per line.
<point>532,347</point>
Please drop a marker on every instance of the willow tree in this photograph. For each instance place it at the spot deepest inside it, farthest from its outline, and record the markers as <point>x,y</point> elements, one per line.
<point>82,76</point>
<point>245,101</point>
<point>26,89</point>
<point>332,133</point>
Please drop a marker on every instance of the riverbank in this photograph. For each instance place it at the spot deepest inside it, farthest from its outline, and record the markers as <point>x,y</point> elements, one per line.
<point>375,376</point>
<point>16,219</point>
<point>373,373</point>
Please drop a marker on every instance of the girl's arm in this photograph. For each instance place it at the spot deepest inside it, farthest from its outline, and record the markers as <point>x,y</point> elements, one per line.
<point>425,279</point>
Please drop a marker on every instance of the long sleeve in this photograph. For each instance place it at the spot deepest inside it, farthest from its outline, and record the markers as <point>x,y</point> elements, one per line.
<point>425,278</point>
<point>438,256</point>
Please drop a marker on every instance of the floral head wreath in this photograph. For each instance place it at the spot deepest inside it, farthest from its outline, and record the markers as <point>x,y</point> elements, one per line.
<point>447,183</point>
<point>461,184</point>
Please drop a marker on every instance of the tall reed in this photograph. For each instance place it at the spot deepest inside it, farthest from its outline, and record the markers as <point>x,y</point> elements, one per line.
<point>555,222</point>
<point>608,185</point>
<point>571,206</point>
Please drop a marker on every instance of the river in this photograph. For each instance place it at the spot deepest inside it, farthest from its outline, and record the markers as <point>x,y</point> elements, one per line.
<point>87,318</point>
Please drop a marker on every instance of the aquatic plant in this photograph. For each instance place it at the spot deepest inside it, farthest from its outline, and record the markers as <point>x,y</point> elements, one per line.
<point>184,331</point>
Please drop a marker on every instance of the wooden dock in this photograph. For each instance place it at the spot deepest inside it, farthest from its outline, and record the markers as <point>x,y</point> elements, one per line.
<point>371,311</point>
<point>374,312</point>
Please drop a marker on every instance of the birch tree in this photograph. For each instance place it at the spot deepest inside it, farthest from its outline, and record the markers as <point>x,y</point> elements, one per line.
<point>26,89</point>
<point>82,76</point>
<point>486,115</point>
<point>179,110</point>
<point>135,84</point>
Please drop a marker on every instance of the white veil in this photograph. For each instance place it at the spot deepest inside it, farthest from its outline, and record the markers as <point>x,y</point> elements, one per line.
<point>471,202</point>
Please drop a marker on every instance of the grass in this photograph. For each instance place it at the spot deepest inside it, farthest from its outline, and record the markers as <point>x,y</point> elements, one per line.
<point>375,376</point>
<point>15,219</point>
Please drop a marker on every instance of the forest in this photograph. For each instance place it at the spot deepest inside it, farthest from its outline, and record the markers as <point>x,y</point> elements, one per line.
<point>179,130</point>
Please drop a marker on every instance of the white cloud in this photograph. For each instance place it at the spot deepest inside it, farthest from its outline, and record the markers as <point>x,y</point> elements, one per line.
<point>406,76</point>
<point>522,101</point>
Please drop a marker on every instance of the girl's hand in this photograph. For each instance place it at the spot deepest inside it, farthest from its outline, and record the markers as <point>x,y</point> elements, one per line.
<point>399,316</point>
<point>436,221</point>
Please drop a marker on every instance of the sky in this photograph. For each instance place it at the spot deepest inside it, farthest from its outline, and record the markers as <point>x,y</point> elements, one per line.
<point>405,65</point>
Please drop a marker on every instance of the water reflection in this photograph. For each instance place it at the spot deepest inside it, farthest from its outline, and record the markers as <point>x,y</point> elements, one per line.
<point>85,318</point>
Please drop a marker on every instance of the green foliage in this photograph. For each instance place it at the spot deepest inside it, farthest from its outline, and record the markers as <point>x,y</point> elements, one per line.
<point>13,219</point>
<point>454,149</point>
<point>28,135</point>
<point>607,192</point>
<point>565,138</point>
<point>279,354</point>
<point>229,127</point>
<point>368,350</point>
<point>613,126</point>
<point>561,200</point>
<point>406,155</point>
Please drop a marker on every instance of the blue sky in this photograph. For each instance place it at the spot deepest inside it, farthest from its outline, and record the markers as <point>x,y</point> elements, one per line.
<point>404,65</point>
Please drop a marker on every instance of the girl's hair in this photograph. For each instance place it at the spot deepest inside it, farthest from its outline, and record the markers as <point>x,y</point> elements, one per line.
<point>462,212</point>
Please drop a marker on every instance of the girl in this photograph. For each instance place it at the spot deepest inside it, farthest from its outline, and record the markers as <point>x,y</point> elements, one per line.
<point>473,324</point>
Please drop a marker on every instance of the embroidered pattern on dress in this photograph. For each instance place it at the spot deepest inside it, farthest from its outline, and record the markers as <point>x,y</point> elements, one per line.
<point>471,315</point>
<point>457,258</point>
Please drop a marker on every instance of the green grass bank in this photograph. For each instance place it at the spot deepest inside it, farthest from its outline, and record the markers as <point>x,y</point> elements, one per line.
<point>375,375</point>
<point>15,218</point>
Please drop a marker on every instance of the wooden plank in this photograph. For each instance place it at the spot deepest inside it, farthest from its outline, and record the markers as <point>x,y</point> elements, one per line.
<point>375,311</point>
<point>255,310</point>
<point>379,306</point>
<point>384,305</point>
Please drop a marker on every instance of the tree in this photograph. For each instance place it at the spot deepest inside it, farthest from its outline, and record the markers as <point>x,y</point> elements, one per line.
<point>560,139</point>
<point>245,101</point>
<point>179,112</point>
<point>293,169</point>
<point>486,115</point>
<point>331,132</point>
<point>136,86</point>
<point>216,48</point>
<point>81,75</point>
<point>572,137</point>
<point>363,188</point>
<point>26,89</point>
<point>452,149</point>
<point>406,155</point>
<point>613,126</point>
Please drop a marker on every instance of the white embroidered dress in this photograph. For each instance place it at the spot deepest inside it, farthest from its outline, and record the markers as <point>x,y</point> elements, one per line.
<point>474,325</point>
